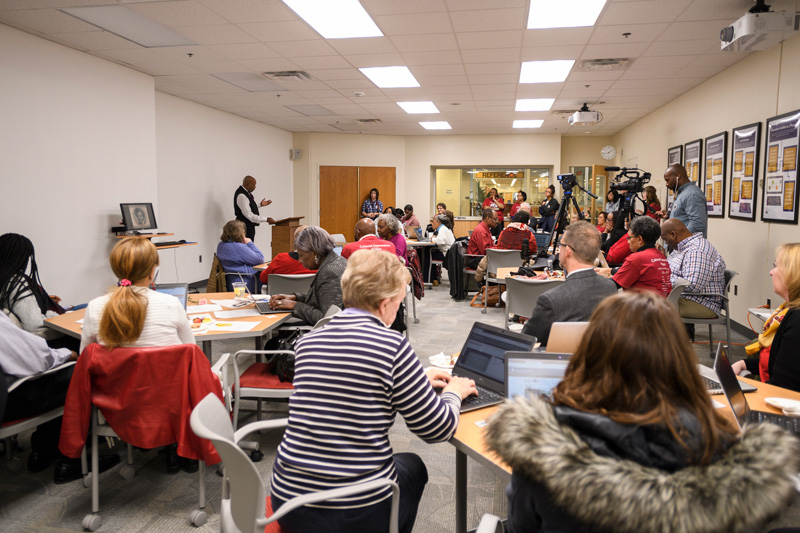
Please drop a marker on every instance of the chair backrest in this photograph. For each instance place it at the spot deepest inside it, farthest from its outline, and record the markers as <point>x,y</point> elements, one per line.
<point>502,258</point>
<point>332,312</point>
<point>247,277</point>
<point>210,420</point>
<point>338,238</point>
<point>523,293</point>
<point>289,283</point>
<point>729,275</point>
<point>677,291</point>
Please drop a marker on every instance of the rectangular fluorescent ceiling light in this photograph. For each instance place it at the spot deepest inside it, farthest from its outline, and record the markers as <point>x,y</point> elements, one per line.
<point>336,19</point>
<point>528,123</point>
<point>390,77</point>
<point>545,71</point>
<point>129,25</point>
<point>418,107</point>
<point>564,13</point>
<point>436,125</point>
<point>534,104</point>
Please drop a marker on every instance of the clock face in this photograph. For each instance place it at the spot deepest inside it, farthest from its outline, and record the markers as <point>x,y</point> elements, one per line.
<point>608,152</point>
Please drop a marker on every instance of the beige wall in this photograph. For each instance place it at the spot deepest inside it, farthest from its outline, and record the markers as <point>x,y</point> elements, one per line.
<point>761,86</point>
<point>584,151</point>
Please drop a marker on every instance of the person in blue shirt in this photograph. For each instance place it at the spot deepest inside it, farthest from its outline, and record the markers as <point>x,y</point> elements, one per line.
<point>372,207</point>
<point>237,253</point>
<point>690,203</point>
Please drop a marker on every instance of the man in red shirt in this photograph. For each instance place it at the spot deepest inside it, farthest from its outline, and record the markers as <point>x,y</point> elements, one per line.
<point>366,239</point>
<point>481,237</point>
<point>646,268</point>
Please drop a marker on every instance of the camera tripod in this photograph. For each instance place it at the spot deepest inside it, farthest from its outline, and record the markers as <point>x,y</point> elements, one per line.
<point>561,216</point>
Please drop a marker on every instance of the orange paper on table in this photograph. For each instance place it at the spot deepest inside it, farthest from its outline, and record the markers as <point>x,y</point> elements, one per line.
<point>735,192</point>
<point>772,158</point>
<point>790,158</point>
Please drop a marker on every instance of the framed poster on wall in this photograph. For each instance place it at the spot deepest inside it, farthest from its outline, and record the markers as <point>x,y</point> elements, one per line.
<point>693,156</point>
<point>716,155</point>
<point>674,157</point>
<point>780,169</point>
<point>745,147</point>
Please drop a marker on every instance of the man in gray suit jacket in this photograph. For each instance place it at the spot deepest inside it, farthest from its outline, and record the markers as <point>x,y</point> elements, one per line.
<point>576,298</point>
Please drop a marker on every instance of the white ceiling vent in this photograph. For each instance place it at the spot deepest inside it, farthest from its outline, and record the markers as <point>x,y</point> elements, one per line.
<point>287,75</point>
<point>616,63</point>
<point>368,120</point>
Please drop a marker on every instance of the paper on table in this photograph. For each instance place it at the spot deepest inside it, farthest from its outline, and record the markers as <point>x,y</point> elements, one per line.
<point>209,308</point>
<point>79,321</point>
<point>229,303</point>
<point>233,326</point>
<point>237,313</point>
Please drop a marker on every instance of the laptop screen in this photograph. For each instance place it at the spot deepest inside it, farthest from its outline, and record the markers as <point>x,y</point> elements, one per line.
<point>534,373</point>
<point>483,355</point>
<point>178,290</point>
<point>418,231</point>
<point>730,386</point>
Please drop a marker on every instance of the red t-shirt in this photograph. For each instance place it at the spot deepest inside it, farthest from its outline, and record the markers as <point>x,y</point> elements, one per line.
<point>618,252</point>
<point>367,243</point>
<point>480,240</point>
<point>647,269</point>
<point>284,263</point>
<point>497,204</point>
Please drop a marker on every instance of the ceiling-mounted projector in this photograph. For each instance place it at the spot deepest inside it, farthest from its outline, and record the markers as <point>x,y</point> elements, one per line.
<point>759,29</point>
<point>584,117</point>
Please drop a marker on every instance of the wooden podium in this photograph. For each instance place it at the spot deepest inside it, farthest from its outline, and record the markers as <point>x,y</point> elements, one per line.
<point>283,235</point>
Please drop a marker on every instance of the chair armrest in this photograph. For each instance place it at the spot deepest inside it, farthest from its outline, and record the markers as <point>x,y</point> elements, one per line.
<point>252,427</point>
<point>712,294</point>
<point>490,524</point>
<point>58,368</point>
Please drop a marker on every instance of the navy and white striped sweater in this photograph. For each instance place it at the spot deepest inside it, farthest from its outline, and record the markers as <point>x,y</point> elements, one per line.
<point>351,378</point>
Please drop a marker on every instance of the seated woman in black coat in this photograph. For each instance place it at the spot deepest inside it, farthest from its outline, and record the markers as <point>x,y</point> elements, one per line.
<point>630,441</point>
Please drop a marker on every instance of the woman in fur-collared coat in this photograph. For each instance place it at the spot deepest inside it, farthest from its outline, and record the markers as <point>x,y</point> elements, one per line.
<point>630,442</point>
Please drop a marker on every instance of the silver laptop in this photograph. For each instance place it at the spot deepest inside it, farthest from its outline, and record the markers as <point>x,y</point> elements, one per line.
<point>565,336</point>
<point>738,401</point>
<point>534,373</point>
<point>178,290</point>
<point>482,359</point>
<point>420,236</point>
<point>712,382</point>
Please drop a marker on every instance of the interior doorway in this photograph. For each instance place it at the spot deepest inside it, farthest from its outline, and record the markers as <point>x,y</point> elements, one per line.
<point>342,191</point>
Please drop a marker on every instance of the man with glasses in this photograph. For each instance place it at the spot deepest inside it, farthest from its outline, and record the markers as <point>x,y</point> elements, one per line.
<point>646,267</point>
<point>576,298</point>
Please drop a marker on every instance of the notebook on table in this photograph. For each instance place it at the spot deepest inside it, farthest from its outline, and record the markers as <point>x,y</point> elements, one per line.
<point>533,373</point>
<point>178,290</point>
<point>738,402</point>
<point>482,359</point>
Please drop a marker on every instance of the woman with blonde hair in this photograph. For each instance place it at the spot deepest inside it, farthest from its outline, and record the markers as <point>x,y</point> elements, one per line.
<point>352,378</point>
<point>778,362</point>
<point>630,441</point>
<point>132,314</point>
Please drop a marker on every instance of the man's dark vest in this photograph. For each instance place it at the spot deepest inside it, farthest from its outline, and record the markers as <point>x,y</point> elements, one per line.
<point>238,212</point>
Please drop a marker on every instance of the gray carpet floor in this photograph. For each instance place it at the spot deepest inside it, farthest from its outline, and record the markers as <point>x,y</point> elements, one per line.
<point>154,502</point>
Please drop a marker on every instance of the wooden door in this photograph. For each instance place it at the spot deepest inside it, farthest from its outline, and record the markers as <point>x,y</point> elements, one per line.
<point>381,178</point>
<point>338,193</point>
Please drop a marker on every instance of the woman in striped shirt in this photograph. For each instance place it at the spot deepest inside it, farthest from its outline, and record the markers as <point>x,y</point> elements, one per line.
<point>351,379</point>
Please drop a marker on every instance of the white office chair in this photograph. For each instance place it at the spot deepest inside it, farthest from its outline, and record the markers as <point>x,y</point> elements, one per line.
<point>498,259</point>
<point>243,506</point>
<point>723,317</point>
<point>289,283</point>
<point>521,295</point>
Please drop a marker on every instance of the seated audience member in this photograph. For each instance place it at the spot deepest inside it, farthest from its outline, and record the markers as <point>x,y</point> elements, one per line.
<point>315,248</point>
<point>442,237</point>
<point>372,207</point>
<point>388,211</point>
<point>521,197</point>
<point>613,201</point>
<point>511,238</point>
<point>576,299</point>
<point>651,198</point>
<point>481,237</point>
<point>646,267</point>
<point>390,229</point>
<point>615,230</point>
<point>132,315</point>
<point>697,261</point>
<point>365,238</point>
<point>409,218</point>
<point>630,440</point>
<point>370,373</point>
<point>601,221</point>
<point>778,362</point>
<point>451,216</point>
<point>21,290</point>
<point>238,254</point>
<point>619,251</point>
<point>285,263</point>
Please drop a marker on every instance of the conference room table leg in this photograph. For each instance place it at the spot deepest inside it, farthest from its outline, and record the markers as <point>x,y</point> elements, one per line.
<point>461,492</point>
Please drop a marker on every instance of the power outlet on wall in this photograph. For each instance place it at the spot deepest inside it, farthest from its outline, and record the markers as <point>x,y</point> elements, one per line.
<point>200,260</point>
<point>735,290</point>
<point>769,303</point>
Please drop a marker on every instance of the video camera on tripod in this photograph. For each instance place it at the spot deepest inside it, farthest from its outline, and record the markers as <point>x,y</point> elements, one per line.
<point>636,179</point>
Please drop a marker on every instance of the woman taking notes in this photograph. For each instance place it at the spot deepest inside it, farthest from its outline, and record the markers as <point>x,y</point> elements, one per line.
<point>630,441</point>
<point>352,378</point>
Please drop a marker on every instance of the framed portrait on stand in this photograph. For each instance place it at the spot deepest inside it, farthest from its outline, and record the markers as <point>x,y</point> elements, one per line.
<point>780,169</point>
<point>745,146</point>
<point>716,163</point>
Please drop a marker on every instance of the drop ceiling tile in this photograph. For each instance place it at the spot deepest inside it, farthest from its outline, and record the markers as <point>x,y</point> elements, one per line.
<point>216,67</point>
<point>594,75</point>
<point>434,81</point>
<point>482,79</point>
<point>193,85</point>
<point>491,56</point>
<point>593,85</point>
<point>598,51</point>
<point>367,45</point>
<point>245,51</point>
<point>134,56</point>
<point>215,34</point>
<point>659,62</point>
<point>645,74</point>
<point>369,99</point>
<point>453,69</point>
<point>292,49</point>
<point>489,39</point>
<point>582,94</point>
<point>435,57</point>
<point>337,74</point>
<point>293,30</point>
<point>539,90</point>
<point>269,64</point>
<point>556,37</point>
<point>318,93</point>
<point>353,85</point>
<point>489,19</point>
<point>413,24</point>
<point>251,10</point>
<point>44,21</point>
<point>188,13</point>
<point>636,92</point>
<point>393,7</point>
<point>507,90</point>
<point>322,63</point>
<point>311,110</point>
<point>714,10</point>
<point>13,5</point>
<point>376,60</point>
<point>639,33</point>
<point>642,12</point>
<point>425,42</point>
<point>493,68</point>
<point>333,103</point>
<point>93,40</point>
<point>166,68</point>
<point>680,48</point>
<point>199,53</point>
<point>549,53</point>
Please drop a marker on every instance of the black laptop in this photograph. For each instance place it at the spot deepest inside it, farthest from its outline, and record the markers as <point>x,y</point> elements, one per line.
<point>483,359</point>
<point>738,401</point>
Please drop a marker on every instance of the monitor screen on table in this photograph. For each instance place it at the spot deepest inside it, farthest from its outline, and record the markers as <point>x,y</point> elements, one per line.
<point>136,217</point>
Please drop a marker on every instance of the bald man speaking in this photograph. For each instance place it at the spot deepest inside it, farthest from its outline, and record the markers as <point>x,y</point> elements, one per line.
<point>246,209</point>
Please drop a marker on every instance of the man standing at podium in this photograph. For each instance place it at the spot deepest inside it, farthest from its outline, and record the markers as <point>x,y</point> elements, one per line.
<point>246,208</point>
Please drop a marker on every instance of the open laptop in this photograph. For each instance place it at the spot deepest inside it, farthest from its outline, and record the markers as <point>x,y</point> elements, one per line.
<point>482,359</point>
<point>565,336</point>
<point>738,401</point>
<point>411,231</point>
<point>262,306</point>
<point>534,373</point>
<point>420,236</point>
<point>178,290</point>
<point>711,381</point>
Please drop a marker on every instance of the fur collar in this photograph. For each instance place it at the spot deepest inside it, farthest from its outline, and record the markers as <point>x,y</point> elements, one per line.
<point>748,485</point>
